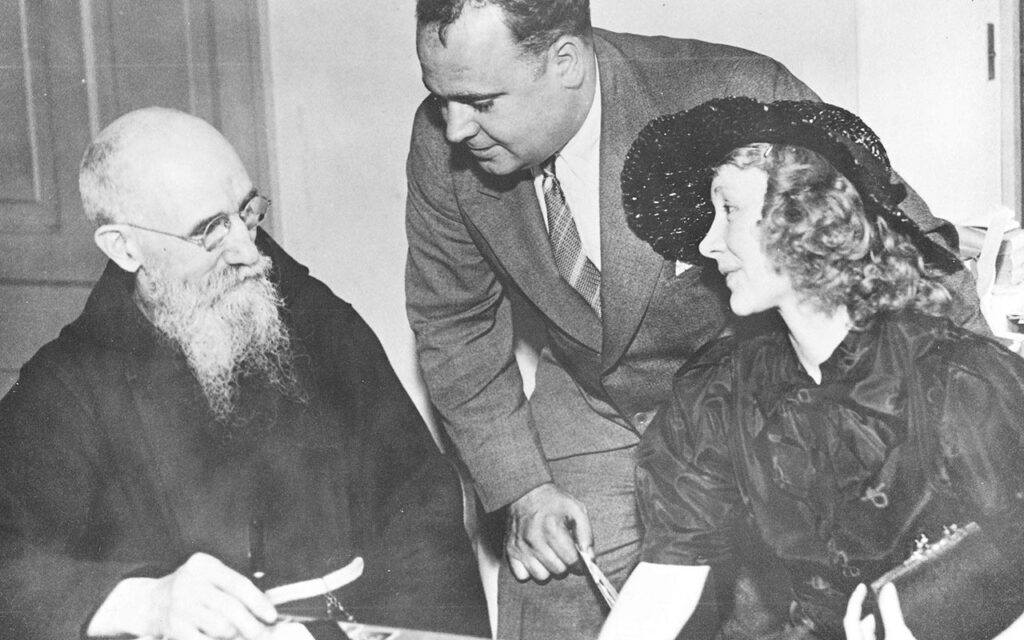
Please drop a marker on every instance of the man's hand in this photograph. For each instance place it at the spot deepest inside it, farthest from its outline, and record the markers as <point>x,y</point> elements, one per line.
<point>858,628</point>
<point>202,600</point>
<point>543,529</point>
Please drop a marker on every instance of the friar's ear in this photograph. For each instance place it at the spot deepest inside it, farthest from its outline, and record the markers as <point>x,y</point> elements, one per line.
<point>118,243</point>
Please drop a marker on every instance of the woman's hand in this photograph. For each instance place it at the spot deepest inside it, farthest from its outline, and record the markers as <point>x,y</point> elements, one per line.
<point>858,628</point>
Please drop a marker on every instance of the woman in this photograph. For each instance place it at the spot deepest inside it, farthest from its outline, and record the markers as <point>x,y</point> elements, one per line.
<point>840,435</point>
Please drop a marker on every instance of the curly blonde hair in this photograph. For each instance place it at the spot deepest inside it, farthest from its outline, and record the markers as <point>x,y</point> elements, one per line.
<point>815,230</point>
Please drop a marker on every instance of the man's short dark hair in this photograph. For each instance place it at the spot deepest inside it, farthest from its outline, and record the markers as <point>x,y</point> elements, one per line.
<point>534,24</point>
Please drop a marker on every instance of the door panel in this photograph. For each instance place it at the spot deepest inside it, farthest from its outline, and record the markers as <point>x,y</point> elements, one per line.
<point>67,68</point>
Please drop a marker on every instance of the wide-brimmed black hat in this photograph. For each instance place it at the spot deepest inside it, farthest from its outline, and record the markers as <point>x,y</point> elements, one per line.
<point>666,180</point>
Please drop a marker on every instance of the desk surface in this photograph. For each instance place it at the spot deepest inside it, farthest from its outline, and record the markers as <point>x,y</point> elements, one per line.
<point>371,632</point>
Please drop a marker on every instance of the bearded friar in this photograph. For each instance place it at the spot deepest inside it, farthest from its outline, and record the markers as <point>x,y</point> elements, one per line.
<point>215,423</point>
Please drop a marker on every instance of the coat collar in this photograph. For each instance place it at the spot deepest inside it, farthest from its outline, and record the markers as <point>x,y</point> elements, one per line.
<point>507,216</point>
<point>864,373</point>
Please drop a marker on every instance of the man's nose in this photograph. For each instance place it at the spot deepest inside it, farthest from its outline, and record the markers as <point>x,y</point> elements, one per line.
<point>460,122</point>
<point>239,246</point>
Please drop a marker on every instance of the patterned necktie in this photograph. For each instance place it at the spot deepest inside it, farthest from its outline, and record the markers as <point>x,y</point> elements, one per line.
<point>572,263</point>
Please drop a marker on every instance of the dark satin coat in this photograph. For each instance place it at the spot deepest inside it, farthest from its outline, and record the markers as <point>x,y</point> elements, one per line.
<point>917,424</point>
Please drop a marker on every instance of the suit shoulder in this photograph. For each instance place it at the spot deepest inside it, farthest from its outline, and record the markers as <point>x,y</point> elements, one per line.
<point>428,130</point>
<point>652,48</point>
<point>681,73</point>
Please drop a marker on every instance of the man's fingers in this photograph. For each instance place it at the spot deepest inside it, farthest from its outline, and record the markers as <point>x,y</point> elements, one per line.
<point>213,624</point>
<point>528,568</point>
<point>235,618</point>
<point>561,546</point>
<point>535,556</point>
<point>518,569</point>
<point>583,534</point>
<point>205,598</point>
<point>237,586</point>
<point>541,539</point>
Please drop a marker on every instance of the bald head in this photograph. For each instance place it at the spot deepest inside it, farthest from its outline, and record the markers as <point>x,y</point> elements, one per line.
<point>146,156</point>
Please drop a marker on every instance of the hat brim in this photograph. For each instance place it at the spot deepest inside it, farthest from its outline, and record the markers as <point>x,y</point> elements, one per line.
<point>666,178</point>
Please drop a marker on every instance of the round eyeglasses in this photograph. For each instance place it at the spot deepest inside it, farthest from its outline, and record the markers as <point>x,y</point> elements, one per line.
<point>253,211</point>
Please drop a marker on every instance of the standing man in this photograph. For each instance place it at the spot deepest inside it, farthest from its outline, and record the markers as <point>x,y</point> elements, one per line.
<point>514,199</point>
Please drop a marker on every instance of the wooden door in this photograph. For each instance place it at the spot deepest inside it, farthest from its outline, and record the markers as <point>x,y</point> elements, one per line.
<point>67,68</point>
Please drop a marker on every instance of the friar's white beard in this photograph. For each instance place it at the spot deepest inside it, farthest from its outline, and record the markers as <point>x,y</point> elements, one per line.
<point>228,326</point>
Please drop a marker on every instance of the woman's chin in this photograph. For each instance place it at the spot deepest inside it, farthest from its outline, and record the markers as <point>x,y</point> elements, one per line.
<point>743,307</point>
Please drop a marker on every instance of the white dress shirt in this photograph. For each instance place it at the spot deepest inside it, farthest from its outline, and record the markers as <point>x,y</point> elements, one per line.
<point>578,169</point>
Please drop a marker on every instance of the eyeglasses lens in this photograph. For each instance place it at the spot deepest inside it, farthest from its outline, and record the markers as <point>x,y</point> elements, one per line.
<point>252,214</point>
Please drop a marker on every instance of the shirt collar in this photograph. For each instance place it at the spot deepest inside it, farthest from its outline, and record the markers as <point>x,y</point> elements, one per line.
<point>583,145</point>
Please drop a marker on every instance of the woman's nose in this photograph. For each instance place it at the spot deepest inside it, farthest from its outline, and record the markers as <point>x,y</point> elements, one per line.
<point>714,239</point>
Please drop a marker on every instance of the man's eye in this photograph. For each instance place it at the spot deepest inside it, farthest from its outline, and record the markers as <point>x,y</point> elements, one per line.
<point>217,225</point>
<point>483,106</point>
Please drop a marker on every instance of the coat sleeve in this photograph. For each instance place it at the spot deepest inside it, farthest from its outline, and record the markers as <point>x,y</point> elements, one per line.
<point>50,581</point>
<point>421,570</point>
<point>462,319</point>
<point>979,424</point>
<point>689,498</point>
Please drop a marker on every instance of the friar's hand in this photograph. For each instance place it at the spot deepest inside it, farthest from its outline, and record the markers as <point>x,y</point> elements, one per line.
<point>205,599</point>
<point>544,527</point>
<point>858,628</point>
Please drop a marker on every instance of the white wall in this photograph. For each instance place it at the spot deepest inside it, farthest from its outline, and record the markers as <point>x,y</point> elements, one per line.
<point>923,68</point>
<point>344,82</point>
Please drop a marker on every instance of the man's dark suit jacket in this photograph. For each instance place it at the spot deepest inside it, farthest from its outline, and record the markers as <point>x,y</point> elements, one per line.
<point>478,245</point>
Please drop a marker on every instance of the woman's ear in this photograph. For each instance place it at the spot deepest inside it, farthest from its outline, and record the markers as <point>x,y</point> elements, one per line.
<point>119,246</point>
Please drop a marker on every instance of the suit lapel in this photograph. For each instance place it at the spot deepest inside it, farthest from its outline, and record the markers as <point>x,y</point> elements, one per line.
<point>507,215</point>
<point>629,266</point>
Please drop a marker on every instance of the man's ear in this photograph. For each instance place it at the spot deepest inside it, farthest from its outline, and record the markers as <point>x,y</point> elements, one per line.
<point>119,246</point>
<point>568,57</point>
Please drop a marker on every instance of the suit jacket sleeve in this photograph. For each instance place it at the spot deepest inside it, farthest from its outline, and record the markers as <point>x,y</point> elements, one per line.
<point>462,319</point>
